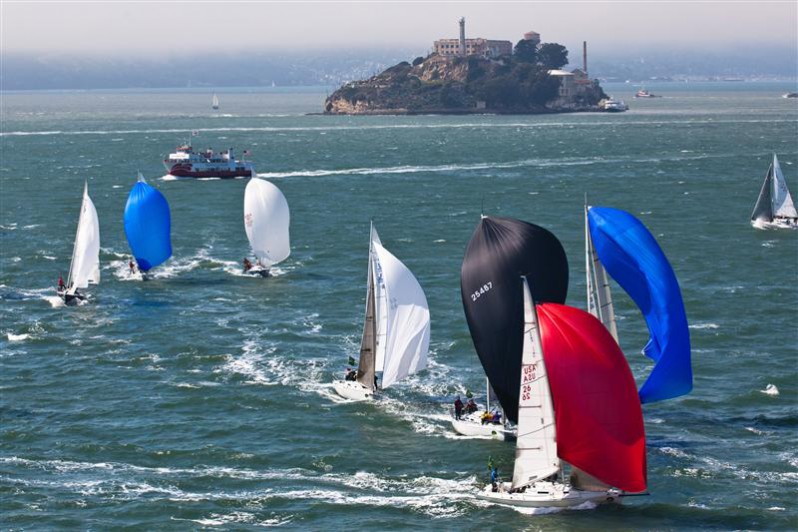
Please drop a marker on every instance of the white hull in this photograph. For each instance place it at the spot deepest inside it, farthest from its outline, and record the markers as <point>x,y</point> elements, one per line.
<point>547,494</point>
<point>471,425</point>
<point>353,390</point>
<point>784,223</point>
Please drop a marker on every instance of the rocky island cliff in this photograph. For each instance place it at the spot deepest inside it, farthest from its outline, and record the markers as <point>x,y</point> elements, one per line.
<point>527,81</point>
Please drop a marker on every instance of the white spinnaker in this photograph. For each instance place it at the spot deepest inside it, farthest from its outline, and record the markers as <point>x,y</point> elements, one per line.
<point>536,446</point>
<point>599,294</point>
<point>266,221</point>
<point>407,319</point>
<point>782,201</point>
<point>85,266</point>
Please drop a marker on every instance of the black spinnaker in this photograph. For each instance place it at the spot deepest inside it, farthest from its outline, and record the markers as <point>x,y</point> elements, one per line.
<point>500,251</point>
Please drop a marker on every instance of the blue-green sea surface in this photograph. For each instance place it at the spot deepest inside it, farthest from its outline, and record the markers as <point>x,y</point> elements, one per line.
<point>203,398</point>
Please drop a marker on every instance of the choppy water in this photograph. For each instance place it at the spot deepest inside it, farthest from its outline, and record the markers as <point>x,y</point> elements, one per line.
<point>203,398</point>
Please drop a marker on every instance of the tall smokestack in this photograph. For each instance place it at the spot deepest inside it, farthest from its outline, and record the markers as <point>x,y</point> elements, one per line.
<point>462,37</point>
<point>584,57</point>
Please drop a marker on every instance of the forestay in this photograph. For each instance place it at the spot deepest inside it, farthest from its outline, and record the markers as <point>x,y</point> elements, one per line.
<point>85,265</point>
<point>266,221</point>
<point>536,446</point>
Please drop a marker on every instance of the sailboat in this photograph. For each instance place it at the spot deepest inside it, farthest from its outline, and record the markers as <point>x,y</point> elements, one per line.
<point>214,101</point>
<point>472,424</point>
<point>499,251</point>
<point>577,408</point>
<point>619,245</point>
<point>147,225</point>
<point>84,268</point>
<point>396,328</point>
<point>774,207</point>
<point>266,221</point>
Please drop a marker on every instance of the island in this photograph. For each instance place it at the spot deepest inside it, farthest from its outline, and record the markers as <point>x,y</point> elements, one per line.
<point>469,76</point>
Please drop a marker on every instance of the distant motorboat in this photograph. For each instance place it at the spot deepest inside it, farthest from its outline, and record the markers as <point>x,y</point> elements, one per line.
<point>790,95</point>
<point>215,102</point>
<point>643,93</point>
<point>774,207</point>
<point>612,105</point>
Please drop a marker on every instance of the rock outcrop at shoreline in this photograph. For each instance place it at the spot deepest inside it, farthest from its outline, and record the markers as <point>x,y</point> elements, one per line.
<point>467,85</point>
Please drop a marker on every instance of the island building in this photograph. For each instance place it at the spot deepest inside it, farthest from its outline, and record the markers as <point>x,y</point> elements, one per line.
<point>486,48</point>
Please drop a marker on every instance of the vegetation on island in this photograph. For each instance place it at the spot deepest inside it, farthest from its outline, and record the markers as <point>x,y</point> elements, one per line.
<point>516,83</point>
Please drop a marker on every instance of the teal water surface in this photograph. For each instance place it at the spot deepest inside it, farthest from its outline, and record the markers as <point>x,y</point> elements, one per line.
<point>202,397</point>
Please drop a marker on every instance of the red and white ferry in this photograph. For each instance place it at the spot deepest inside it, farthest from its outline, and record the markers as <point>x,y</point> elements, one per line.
<point>185,162</point>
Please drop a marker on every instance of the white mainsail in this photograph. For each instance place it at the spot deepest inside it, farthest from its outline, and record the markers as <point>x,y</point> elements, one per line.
<point>783,206</point>
<point>536,446</point>
<point>403,321</point>
<point>266,221</point>
<point>85,265</point>
<point>215,101</point>
<point>599,296</point>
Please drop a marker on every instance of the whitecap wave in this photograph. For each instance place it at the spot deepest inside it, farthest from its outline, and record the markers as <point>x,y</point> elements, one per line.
<point>17,337</point>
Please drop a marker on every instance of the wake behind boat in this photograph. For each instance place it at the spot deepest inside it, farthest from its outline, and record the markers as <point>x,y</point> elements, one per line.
<point>84,268</point>
<point>396,329</point>
<point>185,162</point>
<point>774,207</point>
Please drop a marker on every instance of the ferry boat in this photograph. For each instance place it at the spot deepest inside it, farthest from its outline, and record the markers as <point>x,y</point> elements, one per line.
<point>614,106</point>
<point>185,162</point>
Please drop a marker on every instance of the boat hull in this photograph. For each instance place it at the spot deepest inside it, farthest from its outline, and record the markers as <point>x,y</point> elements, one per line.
<point>547,495</point>
<point>353,390</point>
<point>179,170</point>
<point>471,425</point>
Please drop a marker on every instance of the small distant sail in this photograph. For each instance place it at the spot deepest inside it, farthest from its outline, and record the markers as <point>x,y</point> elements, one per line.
<point>598,416</point>
<point>266,221</point>
<point>85,266</point>
<point>783,206</point>
<point>407,321</point>
<point>763,210</point>
<point>148,225</point>
<point>501,250</point>
<point>632,257</point>
<point>215,101</point>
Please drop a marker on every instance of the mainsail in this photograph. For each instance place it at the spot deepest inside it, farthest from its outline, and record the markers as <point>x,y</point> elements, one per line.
<point>501,250</point>
<point>266,221</point>
<point>633,258</point>
<point>599,419</point>
<point>148,225</point>
<point>215,101</point>
<point>783,207</point>
<point>85,265</point>
<point>536,445</point>
<point>763,210</point>
<point>599,295</point>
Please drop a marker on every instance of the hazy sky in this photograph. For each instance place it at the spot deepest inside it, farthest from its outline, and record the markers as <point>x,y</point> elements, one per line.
<point>178,27</point>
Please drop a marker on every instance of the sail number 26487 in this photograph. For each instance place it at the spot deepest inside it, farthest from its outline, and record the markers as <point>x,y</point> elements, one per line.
<point>484,288</point>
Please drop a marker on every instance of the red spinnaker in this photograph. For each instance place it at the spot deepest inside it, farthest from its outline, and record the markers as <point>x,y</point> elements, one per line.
<point>596,407</point>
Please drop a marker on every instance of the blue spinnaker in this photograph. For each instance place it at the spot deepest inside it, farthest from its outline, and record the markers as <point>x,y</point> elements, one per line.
<point>632,257</point>
<point>147,226</point>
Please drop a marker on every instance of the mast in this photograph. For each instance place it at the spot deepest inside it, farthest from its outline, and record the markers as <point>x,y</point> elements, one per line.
<point>536,447</point>
<point>77,233</point>
<point>368,347</point>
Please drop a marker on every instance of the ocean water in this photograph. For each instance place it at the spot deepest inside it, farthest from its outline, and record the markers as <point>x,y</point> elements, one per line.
<point>203,398</point>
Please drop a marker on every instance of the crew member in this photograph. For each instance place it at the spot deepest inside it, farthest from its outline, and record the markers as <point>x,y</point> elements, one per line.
<point>458,407</point>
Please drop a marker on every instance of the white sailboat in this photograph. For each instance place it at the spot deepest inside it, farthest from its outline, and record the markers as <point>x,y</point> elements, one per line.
<point>215,101</point>
<point>266,221</point>
<point>472,424</point>
<point>538,472</point>
<point>84,268</point>
<point>396,329</point>
<point>774,207</point>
